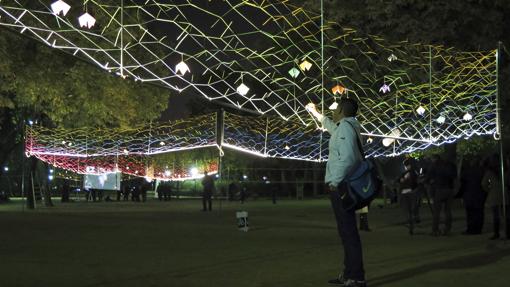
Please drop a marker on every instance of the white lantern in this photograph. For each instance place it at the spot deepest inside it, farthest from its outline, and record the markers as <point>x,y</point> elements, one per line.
<point>86,20</point>
<point>243,89</point>
<point>60,7</point>
<point>420,110</point>
<point>182,68</point>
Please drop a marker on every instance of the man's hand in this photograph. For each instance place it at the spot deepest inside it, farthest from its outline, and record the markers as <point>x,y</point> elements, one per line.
<point>313,110</point>
<point>332,188</point>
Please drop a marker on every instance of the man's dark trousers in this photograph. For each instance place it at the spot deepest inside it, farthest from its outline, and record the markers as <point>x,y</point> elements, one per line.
<point>348,231</point>
<point>207,200</point>
<point>442,197</point>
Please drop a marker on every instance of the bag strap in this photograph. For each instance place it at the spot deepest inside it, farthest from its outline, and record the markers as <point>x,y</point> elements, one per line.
<point>360,146</point>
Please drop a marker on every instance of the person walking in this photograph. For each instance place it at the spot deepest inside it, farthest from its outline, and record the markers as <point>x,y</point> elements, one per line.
<point>343,156</point>
<point>208,184</point>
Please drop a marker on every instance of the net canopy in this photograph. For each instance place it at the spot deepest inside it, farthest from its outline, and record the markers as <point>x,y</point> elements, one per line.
<point>272,58</point>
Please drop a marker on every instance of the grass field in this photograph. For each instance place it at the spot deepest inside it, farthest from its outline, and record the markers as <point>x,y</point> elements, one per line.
<point>292,243</point>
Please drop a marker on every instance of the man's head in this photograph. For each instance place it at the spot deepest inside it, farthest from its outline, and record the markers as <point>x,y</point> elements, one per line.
<point>347,107</point>
<point>408,163</point>
<point>435,158</point>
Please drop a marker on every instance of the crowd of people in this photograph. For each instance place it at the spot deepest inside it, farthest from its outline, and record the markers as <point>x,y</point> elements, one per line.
<point>478,183</point>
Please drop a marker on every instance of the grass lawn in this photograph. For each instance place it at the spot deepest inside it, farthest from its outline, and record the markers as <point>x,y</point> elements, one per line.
<point>292,243</point>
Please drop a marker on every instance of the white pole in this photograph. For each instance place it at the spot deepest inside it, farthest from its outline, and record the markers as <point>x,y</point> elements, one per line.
<point>500,137</point>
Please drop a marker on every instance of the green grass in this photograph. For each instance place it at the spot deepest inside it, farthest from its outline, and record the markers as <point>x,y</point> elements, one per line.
<point>293,243</point>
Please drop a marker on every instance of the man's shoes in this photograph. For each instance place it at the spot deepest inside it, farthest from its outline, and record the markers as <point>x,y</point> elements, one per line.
<point>355,283</point>
<point>340,280</point>
<point>434,233</point>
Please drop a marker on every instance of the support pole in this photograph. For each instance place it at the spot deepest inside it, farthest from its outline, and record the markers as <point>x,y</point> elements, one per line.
<point>265,138</point>
<point>220,132</point>
<point>23,143</point>
<point>500,136</point>
<point>430,93</point>
<point>122,38</point>
<point>322,74</point>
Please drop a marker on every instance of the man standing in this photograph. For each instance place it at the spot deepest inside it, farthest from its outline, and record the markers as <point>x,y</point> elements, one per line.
<point>208,184</point>
<point>441,177</point>
<point>343,156</point>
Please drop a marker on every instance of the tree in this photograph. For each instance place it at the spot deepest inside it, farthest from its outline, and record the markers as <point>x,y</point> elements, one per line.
<point>41,84</point>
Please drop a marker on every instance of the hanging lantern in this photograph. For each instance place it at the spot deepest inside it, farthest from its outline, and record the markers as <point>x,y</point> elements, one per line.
<point>305,66</point>
<point>182,68</point>
<point>384,89</point>
<point>294,72</point>
<point>86,20</point>
<point>60,7</point>
<point>338,89</point>
<point>243,89</point>
<point>420,110</point>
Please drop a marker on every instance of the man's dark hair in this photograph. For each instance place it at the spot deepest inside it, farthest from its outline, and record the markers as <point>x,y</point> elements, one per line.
<point>349,107</point>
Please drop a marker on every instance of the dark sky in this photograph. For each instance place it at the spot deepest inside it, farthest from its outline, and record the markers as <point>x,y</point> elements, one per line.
<point>177,107</point>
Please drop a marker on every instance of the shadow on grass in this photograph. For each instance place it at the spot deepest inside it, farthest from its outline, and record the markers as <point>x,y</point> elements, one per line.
<point>490,256</point>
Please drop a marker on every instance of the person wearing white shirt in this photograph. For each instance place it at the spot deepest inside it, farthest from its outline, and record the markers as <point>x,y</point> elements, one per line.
<point>343,156</point>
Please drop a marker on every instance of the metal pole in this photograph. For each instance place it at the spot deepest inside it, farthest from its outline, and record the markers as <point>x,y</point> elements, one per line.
<point>499,135</point>
<point>322,74</point>
<point>265,138</point>
<point>430,93</point>
<point>23,139</point>
<point>122,38</point>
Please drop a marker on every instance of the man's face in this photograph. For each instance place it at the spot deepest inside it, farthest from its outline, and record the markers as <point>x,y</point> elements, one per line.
<point>338,114</point>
